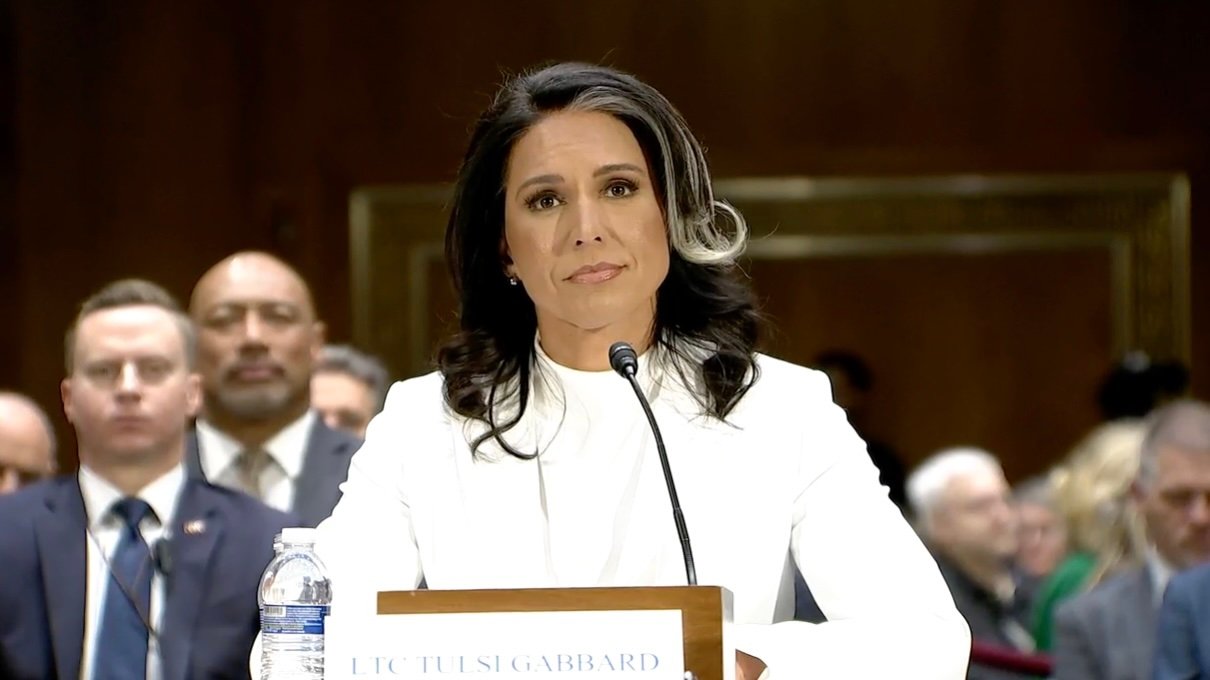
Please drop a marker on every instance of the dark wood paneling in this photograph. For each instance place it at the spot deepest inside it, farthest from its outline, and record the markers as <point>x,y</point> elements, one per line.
<point>998,350</point>
<point>153,138</point>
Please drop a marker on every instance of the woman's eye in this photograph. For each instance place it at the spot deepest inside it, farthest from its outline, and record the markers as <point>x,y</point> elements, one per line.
<point>543,202</point>
<point>620,189</point>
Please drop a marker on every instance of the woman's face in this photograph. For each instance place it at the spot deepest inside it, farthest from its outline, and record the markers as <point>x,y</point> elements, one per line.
<point>583,227</point>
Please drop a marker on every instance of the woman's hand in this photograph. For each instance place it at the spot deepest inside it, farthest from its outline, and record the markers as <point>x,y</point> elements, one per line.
<point>747,667</point>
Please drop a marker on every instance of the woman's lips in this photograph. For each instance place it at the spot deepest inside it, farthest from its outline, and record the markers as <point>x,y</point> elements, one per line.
<point>597,273</point>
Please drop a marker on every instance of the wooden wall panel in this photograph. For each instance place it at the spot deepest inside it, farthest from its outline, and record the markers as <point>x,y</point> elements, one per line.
<point>153,138</point>
<point>999,350</point>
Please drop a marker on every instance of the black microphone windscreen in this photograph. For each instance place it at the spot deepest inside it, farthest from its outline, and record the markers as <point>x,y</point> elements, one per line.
<point>623,359</point>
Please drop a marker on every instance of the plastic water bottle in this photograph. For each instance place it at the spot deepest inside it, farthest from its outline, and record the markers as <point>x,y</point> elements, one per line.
<point>294,597</point>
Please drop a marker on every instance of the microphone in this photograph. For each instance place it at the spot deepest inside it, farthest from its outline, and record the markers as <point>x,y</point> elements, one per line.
<point>161,555</point>
<point>625,362</point>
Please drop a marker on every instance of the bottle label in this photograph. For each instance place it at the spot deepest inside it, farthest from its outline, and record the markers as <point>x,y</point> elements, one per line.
<point>293,619</point>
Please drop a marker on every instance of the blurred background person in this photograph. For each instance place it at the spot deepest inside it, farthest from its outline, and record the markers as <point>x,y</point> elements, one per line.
<point>1138,385</point>
<point>964,512</point>
<point>348,388</point>
<point>1042,542</point>
<point>88,557</point>
<point>1092,490</point>
<point>27,442</point>
<point>852,382</point>
<point>1109,633</point>
<point>258,340</point>
<point>1184,627</point>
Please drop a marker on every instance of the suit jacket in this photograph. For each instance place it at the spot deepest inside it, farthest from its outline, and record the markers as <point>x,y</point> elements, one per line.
<point>1183,650</point>
<point>1107,633</point>
<point>325,466</point>
<point>986,615</point>
<point>210,615</point>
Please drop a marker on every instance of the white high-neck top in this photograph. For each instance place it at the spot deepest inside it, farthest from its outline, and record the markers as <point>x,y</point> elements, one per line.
<point>785,481</point>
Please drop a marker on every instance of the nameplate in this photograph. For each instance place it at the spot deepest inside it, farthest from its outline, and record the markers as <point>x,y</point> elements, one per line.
<point>506,645</point>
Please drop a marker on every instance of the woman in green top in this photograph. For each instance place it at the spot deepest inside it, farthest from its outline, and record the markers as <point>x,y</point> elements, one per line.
<point>1092,489</point>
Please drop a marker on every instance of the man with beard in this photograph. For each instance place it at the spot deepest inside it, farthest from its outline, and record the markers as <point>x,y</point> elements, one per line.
<point>258,340</point>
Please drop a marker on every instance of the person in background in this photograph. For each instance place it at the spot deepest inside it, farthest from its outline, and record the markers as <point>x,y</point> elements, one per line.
<point>258,340</point>
<point>27,442</point>
<point>1138,384</point>
<point>1109,633</point>
<point>129,569</point>
<point>964,511</point>
<point>852,383</point>
<point>1043,533</point>
<point>348,388</point>
<point>1105,532</point>
<point>1184,627</point>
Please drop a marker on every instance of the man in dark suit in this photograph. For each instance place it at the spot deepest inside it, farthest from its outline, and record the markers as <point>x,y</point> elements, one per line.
<point>258,341</point>
<point>129,568</point>
<point>1183,646</point>
<point>963,506</point>
<point>1109,633</point>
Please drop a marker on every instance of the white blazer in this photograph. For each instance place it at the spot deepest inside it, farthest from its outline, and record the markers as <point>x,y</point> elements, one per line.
<point>784,482</point>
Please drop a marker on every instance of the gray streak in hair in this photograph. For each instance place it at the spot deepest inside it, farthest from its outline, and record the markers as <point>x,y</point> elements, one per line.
<point>696,236</point>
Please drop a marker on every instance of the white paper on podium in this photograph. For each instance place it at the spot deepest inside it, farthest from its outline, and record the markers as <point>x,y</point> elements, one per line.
<point>506,645</point>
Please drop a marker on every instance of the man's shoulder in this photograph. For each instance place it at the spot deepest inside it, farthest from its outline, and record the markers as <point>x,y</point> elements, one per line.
<point>328,438</point>
<point>1193,584</point>
<point>27,502</point>
<point>241,508</point>
<point>1110,596</point>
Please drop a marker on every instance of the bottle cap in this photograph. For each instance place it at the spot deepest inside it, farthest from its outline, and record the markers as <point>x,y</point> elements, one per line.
<point>298,535</point>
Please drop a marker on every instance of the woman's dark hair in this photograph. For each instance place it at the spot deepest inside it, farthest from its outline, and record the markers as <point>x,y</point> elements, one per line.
<point>705,317</point>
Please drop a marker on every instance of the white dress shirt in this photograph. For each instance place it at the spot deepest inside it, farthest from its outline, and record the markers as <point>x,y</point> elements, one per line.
<point>786,480</point>
<point>104,532</point>
<point>1160,572</point>
<point>218,452</point>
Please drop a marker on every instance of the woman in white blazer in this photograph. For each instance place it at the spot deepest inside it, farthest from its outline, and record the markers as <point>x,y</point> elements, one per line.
<point>583,216</point>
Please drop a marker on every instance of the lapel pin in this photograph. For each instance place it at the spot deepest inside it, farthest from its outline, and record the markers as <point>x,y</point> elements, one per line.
<point>195,527</point>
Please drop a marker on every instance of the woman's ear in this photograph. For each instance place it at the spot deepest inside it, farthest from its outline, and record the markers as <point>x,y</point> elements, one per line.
<point>506,260</point>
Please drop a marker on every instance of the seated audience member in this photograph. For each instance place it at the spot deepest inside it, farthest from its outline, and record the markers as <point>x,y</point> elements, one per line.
<point>852,381</point>
<point>348,388</point>
<point>1137,385</point>
<point>1109,632</point>
<point>258,340</point>
<point>1104,530</point>
<point>1042,533</point>
<point>1182,649</point>
<point>129,569</point>
<point>964,512</point>
<point>27,442</point>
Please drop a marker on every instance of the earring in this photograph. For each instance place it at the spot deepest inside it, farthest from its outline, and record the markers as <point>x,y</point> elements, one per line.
<point>512,280</point>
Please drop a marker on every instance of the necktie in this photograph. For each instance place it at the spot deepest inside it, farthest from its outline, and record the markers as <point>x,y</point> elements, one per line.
<point>122,641</point>
<point>249,468</point>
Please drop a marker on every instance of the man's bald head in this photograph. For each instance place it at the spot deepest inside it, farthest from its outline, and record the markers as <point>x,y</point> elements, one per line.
<point>258,338</point>
<point>249,267</point>
<point>27,442</point>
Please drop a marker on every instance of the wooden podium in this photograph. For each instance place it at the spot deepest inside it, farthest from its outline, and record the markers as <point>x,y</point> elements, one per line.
<point>705,611</point>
